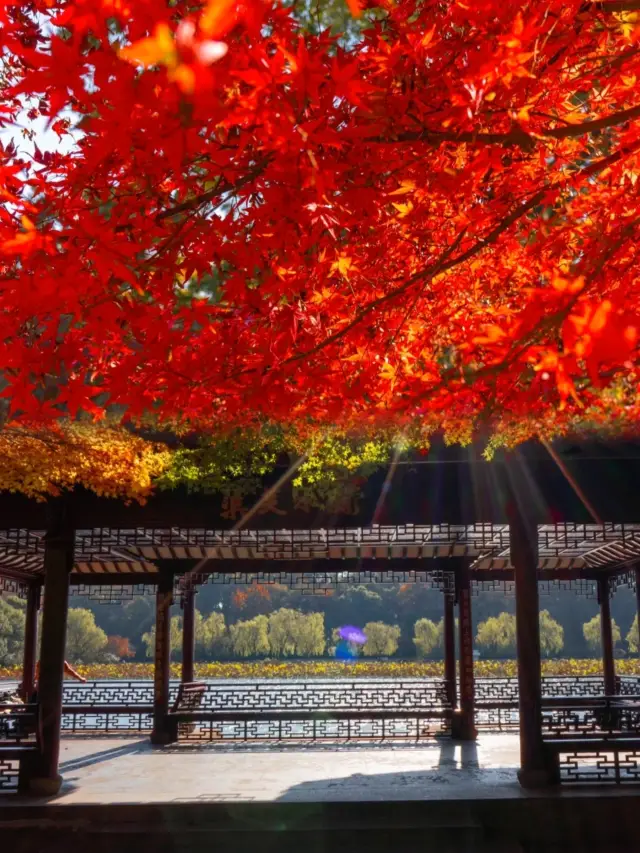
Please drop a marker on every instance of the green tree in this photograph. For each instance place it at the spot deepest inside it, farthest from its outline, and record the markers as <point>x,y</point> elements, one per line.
<point>632,635</point>
<point>311,639</point>
<point>211,635</point>
<point>551,635</point>
<point>294,633</point>
<point>382,639</point>
<point>175,637</point>
<point>283,631</point>
<point>12,617</point>
<point>250,638</point>
<point>86,643</point>
<point>496,636</point>
<point>427,636</point>
<point>591,631</point>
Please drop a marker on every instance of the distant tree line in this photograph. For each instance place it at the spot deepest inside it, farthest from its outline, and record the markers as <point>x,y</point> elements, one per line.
<point>402,621</point>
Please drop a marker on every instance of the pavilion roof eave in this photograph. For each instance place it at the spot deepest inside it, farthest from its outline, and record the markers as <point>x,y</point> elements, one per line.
<point>125,551</point>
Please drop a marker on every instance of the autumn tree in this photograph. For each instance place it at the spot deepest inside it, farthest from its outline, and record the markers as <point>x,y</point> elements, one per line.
<point>592,635</point>
<point>427,636</point>
<point>119,647</point>
<point>382,639</point>
<point>632,636</point>
<point>496,636</point>
<point>551,635</point>
<point>175,638</point>
<point>211,636</point>
<point>249,638</point>
<point>237,220</point>
<point>86,642</point>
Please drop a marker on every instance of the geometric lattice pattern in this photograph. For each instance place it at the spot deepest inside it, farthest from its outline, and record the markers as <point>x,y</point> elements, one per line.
<point>599,767</point>
<point>135,550</point>
<point>9,773</point>
<point>338,729</point>
<point>112,593</point>
<point>11,586</point>
<point>318,583</point>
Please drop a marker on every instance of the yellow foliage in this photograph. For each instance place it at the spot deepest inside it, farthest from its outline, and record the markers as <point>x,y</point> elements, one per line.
<point>109,460</point>
<point>337,669</point>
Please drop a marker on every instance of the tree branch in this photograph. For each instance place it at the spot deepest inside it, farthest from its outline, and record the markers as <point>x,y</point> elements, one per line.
<point>446,262</point>
<point>223,187</point>
<point>517,136</point>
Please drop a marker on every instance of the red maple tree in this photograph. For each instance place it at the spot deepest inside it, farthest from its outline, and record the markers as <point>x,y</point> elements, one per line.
<point>435,219</point>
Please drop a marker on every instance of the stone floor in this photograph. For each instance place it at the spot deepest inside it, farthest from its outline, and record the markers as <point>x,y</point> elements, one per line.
<point>130,770</point>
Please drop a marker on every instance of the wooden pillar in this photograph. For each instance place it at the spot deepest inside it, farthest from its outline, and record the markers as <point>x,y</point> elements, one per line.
<point>30,642</point>
<point>449,643</point>
<point>161,669</point>
<point>463,727</point>
<point>58,563</point>
<point>535,771</point>
<point>606,635</point>
<point>188,634</point>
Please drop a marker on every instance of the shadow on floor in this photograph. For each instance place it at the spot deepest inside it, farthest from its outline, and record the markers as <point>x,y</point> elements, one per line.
<point>105,755</point>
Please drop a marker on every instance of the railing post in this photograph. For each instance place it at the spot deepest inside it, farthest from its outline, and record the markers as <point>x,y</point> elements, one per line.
<point>27,685</point>
<point>535,771</point>
<point>188,634</point>
<point>463,723</point>
<point>58,563</point>
<point>449,643</point>
<point>162,670</point>
<point>606,635</point>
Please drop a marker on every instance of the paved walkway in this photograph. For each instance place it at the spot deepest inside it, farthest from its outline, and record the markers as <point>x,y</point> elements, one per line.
<point>130,770</point>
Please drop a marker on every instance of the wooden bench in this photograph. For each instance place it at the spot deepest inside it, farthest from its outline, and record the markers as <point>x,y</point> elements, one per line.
<point>190,718</point>
<point>25,755</point>
<point>19,740</point>
<point>190,696</point>
<point>188,701</point>
<point>586,745</point>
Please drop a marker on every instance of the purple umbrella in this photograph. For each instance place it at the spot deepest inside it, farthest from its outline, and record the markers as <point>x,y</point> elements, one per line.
<point>352,635</point>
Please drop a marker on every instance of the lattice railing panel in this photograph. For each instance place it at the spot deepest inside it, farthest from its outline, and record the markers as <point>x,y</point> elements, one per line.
<point>9,774</point>
<point>608,721</point>
<point>599,767</point>
<point>414,728</point>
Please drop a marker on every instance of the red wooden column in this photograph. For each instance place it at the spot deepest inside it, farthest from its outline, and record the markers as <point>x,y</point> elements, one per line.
<point>30,642</point>
<point>606,635</point>
<point>535,771</point>
<point>161,669</point>
<point>58,563</point>
<point>463,724</point>
<point>188,634</point>
<point>449,643</point>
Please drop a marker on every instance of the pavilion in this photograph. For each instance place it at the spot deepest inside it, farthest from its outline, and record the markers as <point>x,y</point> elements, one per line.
<point>452,522</point>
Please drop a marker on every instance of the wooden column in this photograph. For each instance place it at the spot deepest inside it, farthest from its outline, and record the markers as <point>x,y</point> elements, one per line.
<point>606,635</point>
<point>30,641</point>
<point>534,771</point>
<point>161,670</point>
<point>188,634</point>
<point>463,727</point>
<point>58,562</point>
<point>449,643</point>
